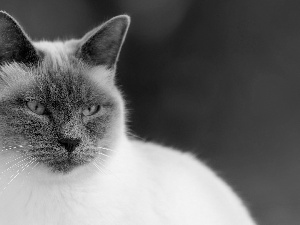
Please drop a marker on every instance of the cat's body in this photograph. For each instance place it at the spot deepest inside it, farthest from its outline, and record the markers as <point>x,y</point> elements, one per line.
<point>142,184</point>
<point>105,178</point>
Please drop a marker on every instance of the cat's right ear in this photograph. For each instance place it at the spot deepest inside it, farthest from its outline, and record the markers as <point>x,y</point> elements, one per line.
<point>15,46</point>
<point>102,45</point>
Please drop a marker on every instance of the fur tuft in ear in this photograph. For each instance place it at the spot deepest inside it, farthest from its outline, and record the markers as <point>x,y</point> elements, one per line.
<point>102,45</point>
<point>15,46</point>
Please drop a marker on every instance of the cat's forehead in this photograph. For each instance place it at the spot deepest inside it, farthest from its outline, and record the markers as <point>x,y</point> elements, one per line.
<point>72,85</point>
<point>59,58</point>
<point>64,82</point>
<point>58,70</point>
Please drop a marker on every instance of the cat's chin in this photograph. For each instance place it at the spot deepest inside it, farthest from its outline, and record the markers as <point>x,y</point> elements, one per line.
<point>62,173</point>
<point>65,166</point>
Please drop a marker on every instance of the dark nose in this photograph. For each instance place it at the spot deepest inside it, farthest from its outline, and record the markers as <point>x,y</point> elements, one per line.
<point>69,144</point>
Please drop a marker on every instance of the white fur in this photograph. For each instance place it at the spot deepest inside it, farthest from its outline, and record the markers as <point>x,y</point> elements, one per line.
<point>139,184</point>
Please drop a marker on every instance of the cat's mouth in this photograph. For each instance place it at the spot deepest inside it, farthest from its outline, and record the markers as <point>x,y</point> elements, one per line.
<point>67,162</point>
<point>60,161</point>
<point>65,165</point>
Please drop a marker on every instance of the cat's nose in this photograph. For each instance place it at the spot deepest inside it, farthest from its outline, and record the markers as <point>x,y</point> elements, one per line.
<point>69,144</point>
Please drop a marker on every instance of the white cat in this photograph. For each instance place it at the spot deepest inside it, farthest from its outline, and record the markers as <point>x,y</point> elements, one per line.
<point>66,158</point>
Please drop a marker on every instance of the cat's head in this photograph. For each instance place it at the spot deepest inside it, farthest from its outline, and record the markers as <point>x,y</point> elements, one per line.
<point>59,106</point>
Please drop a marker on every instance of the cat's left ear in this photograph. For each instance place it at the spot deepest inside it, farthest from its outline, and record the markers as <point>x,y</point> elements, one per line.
<point>15,45</point>
<point>102,45</point>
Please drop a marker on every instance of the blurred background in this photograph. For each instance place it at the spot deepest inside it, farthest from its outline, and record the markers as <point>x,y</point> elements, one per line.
<point>220,78</point>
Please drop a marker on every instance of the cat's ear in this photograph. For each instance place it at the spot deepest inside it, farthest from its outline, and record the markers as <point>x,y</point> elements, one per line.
<point>15,46</point>
<point>102,45</point>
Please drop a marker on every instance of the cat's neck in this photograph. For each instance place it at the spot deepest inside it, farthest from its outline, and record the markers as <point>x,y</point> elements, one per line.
<point>115,159</point>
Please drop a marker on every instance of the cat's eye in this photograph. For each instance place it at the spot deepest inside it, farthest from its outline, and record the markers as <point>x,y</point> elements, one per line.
<point>36,107</point>
<point>91,110</point>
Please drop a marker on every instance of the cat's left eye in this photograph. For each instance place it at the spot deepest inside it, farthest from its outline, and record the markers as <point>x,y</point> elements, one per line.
<point>91,110</point>
<point>36,107</point>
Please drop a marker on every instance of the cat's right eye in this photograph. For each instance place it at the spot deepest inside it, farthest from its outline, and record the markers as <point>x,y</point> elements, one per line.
<point>36,107</point>
<point>91,110</point>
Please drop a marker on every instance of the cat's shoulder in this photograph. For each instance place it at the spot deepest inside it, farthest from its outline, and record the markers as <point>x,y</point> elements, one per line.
<point>189,179</point>
<point>159,152</point>
<point>170,159</point>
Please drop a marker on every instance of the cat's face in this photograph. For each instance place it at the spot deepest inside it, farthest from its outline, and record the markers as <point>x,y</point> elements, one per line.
<point>58,102</point>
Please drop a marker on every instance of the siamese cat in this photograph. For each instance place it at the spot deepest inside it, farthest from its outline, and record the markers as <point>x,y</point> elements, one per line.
<point>65,156</point>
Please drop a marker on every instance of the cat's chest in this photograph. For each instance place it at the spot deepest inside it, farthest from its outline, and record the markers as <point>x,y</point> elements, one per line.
<point>48,205</point>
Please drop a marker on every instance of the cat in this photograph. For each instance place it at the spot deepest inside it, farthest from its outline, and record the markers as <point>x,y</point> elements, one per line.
<point>65,157</point>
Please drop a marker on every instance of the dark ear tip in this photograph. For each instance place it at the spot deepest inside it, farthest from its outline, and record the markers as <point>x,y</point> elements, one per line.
<point>6,18</point>
<point>4,14</point>
<point>124,19</point>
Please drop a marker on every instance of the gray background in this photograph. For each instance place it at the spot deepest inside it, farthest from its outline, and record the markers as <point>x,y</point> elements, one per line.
<point>215,77</point>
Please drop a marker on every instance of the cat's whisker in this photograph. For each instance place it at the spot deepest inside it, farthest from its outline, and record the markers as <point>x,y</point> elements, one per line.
<point>8,150</point>
<point>103,160</point>
<point>10,168</point>
<point>100,153</point>
<point>19,171</point>
<point>28,167</point>
<point>130,134</point>
<point>14,165</point>
<point>15,148</point>
<point>21,166</point>
<point>32,168</point>
<point>100,164</point>
<point>8,158</point>
<point>12,177</point>
<point>14,159</point>
<point>31,162</point>
<point>101,168</point>
<point>98,168</point>
<point>17,165</point>
<point>108,149</point>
